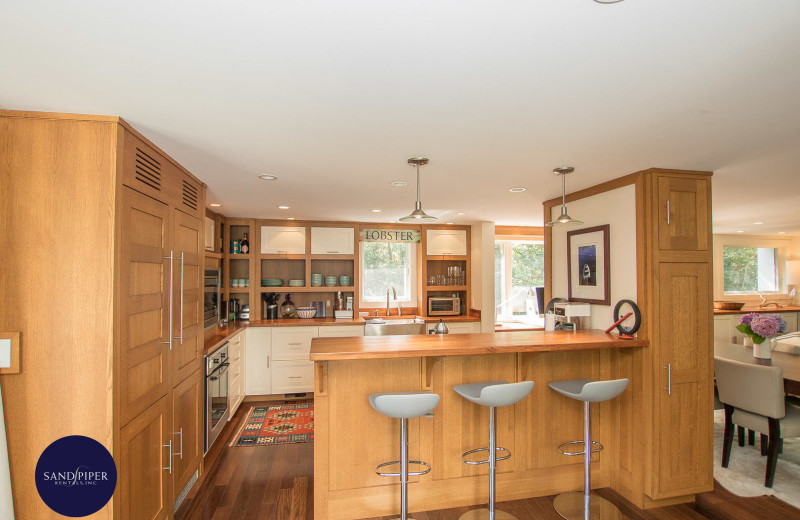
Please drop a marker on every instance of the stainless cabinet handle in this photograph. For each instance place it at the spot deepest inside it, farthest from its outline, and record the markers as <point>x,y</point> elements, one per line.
<point>267,361</point>
<point>181,452</point>
<point>169,445</point>
<point>170,257</point>
<point>669,379</point>
<point>333,252</point>
<point>296,343</point>
<point>667,205</point>
<point>295,377</point>
<point>180,337</point>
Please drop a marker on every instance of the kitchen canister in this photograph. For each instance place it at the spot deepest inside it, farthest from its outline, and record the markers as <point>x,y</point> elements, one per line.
<point>235,247</point>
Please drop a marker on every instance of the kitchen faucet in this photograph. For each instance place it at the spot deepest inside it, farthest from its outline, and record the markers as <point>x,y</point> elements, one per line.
<point>387,298</point>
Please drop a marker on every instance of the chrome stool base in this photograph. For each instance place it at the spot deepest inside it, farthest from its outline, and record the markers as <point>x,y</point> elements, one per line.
<point>483,514</point>
<point>571,507</point>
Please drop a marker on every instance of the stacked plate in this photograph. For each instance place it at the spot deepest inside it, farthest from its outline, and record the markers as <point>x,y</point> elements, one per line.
<point>297,283</point>
<point>345,280</point>
<point>330,281</point>
<point>271,282</point>
<point>316,279</point>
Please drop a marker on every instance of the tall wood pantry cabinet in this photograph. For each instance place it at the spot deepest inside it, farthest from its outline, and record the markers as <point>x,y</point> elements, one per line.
<point>104,239</point>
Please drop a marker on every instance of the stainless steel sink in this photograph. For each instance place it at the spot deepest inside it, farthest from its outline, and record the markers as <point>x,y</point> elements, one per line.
<point>380,327</point>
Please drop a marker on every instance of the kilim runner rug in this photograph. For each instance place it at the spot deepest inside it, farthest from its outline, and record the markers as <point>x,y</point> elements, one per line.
<point>277,424</point>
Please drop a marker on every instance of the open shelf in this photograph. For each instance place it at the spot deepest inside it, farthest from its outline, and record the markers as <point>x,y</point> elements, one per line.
<point>450,288</point>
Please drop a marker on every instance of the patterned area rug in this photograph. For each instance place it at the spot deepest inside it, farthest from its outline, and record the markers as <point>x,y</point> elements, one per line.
<point>277,424</point>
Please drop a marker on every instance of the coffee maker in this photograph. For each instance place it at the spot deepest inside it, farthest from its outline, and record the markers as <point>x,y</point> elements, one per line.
<point>572,316</point>
<point>270,308</point>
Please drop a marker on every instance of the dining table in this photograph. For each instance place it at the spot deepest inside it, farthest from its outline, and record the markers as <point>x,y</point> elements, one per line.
<point>788,361</point>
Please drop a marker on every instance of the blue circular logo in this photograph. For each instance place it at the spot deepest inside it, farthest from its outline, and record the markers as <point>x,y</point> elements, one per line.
<point>76,476</point>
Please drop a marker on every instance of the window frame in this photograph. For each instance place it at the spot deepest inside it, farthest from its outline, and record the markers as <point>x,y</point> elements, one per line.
<point>783,247</point>
<point>411,274</point>
<point>508,261</point>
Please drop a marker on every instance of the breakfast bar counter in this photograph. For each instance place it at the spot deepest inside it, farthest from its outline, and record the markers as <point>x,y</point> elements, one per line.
<point>351,438</point>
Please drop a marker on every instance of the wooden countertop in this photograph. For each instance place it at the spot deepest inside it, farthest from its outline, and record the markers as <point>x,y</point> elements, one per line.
<point>372,347</point>
<point>771,310</point>
<point>216,336</point>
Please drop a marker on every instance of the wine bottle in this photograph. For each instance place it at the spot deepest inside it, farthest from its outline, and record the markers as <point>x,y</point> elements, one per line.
<point>245,245</point>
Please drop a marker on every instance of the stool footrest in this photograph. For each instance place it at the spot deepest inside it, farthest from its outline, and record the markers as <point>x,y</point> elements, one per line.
<point>596,448</point>
<point>476,450</point>
<point>410,473</point>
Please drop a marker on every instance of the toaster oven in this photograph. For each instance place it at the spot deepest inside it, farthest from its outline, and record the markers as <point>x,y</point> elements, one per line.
<point>444,306</point>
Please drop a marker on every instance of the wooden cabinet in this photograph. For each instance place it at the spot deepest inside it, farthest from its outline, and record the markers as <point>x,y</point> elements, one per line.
<point>683,440</point>
<point>332,241</point>
<point>187,304</point>
<point>236,378</point>
<point>283,240</point>
<point>187,434</point>
<point>127,331</point>
<point>258,366</point>
<point>446,242</point>
<point>145,471</point>
<point>682,211</point>
<point>292,376</point>
<point>145,330</point>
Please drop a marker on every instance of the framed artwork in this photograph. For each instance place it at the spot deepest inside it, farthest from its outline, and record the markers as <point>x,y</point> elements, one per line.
<point>588,266</point>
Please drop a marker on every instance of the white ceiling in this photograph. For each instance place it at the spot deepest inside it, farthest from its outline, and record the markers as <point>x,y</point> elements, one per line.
<point>333,97</point>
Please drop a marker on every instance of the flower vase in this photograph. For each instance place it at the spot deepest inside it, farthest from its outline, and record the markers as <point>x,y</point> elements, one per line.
<point>763,350</point>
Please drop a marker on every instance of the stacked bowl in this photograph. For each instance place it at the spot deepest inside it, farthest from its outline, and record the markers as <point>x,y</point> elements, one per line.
<point>316,279</point>
<point>271,282</point>
<point>330,281</point>
<point>297,283</point>
<point>345,280</point>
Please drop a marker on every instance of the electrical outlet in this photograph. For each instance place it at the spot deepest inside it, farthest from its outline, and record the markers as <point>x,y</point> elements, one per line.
<point>5,353</point>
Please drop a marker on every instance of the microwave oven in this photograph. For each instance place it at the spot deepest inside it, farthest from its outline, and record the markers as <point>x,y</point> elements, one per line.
<point>444,306</point>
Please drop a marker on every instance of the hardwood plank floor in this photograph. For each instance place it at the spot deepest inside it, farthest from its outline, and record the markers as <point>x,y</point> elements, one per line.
<point>276,483</point>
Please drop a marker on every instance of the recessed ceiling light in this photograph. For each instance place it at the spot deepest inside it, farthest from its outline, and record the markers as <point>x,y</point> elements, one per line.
<point>461,213</point>
<point>267,177</point>
<point>781,232</point>
<point>398,184</point>
<point>757,223</point>
<point>517,189</point>
<point>215,205</point>
<point>392,222</point>
<point>740,230</point>
<point>375,210</point>
<point>283,207</point>
<point>450,223</point>
<point>289,218</point>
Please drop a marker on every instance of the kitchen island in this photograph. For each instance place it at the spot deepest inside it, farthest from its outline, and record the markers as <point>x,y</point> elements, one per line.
<point>351,438</point>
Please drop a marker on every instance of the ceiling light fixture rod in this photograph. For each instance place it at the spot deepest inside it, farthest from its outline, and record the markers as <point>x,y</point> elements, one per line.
<point>418,215</point>
<point>564,218</point>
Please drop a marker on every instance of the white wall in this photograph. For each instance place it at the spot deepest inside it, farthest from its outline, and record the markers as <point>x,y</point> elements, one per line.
<point>617,208</point>
<point>482,277</point>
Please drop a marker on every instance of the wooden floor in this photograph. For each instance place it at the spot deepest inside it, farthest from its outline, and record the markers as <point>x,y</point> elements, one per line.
<point>276,483</point>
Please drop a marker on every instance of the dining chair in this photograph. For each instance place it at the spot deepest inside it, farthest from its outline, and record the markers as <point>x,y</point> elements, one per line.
<point>753,398</point>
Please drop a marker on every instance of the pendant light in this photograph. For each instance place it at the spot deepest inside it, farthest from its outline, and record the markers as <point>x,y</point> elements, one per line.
<point>418,215</point>
<point>564,218</point>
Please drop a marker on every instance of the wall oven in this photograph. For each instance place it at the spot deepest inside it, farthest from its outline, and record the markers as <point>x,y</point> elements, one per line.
<point>212,296</point>
<point>216,393</point>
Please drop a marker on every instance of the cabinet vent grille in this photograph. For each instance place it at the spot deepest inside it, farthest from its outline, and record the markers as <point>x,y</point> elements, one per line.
<point>190,195</point>
<point>148,170</point>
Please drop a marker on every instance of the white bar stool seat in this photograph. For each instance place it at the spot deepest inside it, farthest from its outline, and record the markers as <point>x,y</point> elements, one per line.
<point>492,394</point>
<point>404,406</point>
<point>585,506</point>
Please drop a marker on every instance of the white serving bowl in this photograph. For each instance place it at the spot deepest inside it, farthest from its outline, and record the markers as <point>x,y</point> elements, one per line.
<point>306,312</point>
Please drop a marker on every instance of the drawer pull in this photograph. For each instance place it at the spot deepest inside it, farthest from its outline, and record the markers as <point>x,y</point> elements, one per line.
<point>295,377</point>
<point>296,343</point>
<point>332,252</point>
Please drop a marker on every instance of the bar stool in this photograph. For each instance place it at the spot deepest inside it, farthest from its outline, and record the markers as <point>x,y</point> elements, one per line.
<point>404,406</point>
<point>492,394</point>
<point>585,506</point>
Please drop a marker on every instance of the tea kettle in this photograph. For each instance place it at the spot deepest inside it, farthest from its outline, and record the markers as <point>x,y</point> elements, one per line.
<point>440,328</point>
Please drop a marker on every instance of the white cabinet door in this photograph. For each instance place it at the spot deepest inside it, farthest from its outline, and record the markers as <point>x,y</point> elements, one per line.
<point>791,321</point>
<point>341,331</point>
<point>209,234</point>
<point>457,327</point>
<point>258,355</point>
<point>292,343</point>
<point>723,328</point>
<point>279,240</point>
<point>292,377</point>
<point>332,241</point>
<point>446,242</point>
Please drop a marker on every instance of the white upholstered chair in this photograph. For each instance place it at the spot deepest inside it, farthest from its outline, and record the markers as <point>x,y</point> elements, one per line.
<point>753,398</point>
